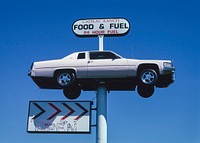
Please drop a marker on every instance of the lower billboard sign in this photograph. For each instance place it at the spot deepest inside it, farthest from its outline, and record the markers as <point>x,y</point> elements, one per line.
<point>59,117</point>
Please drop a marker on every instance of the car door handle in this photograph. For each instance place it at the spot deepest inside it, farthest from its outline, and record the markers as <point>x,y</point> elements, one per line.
<point>90,62</point>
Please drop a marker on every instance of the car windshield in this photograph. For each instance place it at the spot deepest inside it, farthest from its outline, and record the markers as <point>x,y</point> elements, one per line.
<point>103,55</point>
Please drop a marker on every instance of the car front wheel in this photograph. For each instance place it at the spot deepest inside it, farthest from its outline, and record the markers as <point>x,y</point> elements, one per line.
<point>148,77</point>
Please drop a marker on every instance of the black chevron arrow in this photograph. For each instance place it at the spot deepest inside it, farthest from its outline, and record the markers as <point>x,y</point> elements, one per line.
<point>71,111</point>
<point>41,109</point>
<point>82,114</point>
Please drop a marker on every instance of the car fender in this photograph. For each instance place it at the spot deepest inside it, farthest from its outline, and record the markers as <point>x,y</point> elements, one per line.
<point>73,70</point>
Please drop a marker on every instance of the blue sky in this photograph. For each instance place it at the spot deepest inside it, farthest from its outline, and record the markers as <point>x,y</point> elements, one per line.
<point>41,30</point>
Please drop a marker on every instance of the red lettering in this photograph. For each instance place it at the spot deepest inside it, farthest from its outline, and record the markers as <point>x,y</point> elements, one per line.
<point>112,32</point>
<point>98,32</point>
<point>86,32</point>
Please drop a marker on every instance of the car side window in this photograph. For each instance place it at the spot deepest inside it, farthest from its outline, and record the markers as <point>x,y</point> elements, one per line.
<point>81,56</point>
<point>102,55</point>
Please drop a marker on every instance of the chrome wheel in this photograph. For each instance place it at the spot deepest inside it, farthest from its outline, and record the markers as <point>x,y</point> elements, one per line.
<point>64,79</point>
<point>148,76</point>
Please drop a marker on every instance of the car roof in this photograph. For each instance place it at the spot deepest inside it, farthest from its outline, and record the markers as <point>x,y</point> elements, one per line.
<point>93,51</point>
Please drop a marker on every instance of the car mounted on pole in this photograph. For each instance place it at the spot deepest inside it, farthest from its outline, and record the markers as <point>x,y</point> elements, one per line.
<point>85,70</point>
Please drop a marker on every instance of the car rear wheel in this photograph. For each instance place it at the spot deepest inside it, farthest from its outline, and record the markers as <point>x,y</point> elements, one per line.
<point>65,78</point>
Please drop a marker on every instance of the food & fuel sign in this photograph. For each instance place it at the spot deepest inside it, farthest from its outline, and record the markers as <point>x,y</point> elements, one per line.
<point>105,26</point>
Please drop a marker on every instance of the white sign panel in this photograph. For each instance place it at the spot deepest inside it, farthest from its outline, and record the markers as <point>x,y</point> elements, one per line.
<point>59,117</point>
<point>106,26</point>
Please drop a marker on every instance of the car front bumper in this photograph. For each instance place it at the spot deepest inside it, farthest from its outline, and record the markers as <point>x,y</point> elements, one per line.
<point>165,80</point>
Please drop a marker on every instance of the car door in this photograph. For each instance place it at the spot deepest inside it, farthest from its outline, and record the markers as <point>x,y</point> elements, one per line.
<point>80,64</point>
<point>106,65</point>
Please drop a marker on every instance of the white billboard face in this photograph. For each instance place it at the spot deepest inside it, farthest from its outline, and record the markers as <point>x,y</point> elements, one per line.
<point>59,117</point>
<point>95,27</point>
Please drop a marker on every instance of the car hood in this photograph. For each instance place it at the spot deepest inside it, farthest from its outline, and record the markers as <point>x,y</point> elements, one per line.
<point>148,61</point>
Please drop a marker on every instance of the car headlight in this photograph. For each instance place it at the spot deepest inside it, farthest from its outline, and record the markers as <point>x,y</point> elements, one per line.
<point>167,65</point>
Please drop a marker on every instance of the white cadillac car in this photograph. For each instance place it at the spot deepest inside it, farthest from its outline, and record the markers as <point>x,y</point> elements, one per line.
<point>88,69</point>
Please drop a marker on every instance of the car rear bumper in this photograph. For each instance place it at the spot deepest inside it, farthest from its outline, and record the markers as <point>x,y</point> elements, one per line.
<point>45,82</point>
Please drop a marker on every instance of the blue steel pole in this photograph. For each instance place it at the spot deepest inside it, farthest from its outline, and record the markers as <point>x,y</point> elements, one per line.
<point>101,130</point>
<point>101,42</point>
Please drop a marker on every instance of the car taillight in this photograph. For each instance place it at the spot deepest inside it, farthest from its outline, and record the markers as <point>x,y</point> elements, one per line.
<point>30,70</point>
<point>32,65</point>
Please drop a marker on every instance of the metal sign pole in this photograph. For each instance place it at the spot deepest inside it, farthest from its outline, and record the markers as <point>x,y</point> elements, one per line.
<point>101,42</point>
<point>101,129</point>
